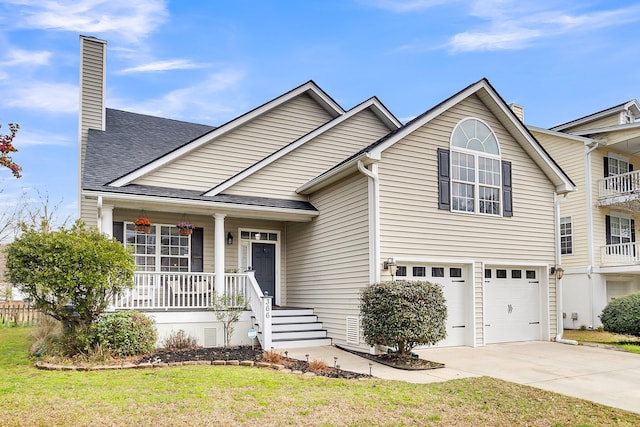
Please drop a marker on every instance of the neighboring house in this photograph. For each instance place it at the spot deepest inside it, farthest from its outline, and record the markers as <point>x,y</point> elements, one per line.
<point>598,223</point>
<point>301,204</point>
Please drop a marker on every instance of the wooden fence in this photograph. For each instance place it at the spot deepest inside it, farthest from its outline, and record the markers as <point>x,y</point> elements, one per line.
<point>14,313</point>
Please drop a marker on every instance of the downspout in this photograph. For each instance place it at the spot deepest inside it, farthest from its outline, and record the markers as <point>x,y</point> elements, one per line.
<point>374,224</point>
<point>589,201</point>
<point>559,319</point>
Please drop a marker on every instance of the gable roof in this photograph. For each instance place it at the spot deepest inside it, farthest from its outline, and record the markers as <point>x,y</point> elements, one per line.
<point>130,141</point>
<point>629,105</point>
<point>494,102</point>
<point>309,88</point>
<point>373,104</point>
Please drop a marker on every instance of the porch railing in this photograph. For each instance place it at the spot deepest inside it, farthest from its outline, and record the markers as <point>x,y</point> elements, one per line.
<point>620,254</point>
<point>619,187</point>
<point>180,291</point>
<point>176,291</point>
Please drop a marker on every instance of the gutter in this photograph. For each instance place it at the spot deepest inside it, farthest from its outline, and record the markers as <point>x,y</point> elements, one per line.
<point>560,324</point>
<point>374,220</point>
<point>589,199</point>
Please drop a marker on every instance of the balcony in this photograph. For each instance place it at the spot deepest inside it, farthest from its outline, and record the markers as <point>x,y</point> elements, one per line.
<point>620,190</point>
<point>620,254</point>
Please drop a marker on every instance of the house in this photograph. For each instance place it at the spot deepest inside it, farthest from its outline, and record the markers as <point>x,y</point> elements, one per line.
<point>598,223</point>
<point>299,204</point>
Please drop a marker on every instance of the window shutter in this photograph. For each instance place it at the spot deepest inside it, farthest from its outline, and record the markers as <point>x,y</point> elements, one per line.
<point>630,167</point>
<point>607,224</point>
<point>118,231</point>
<point>507,194</point>
<point>606,166</point>
<point>633,231</point>
<point>197,246</point>
<point>444,179</point>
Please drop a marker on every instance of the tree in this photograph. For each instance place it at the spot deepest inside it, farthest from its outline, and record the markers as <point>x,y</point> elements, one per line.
<point>403,314</point>
<point>622,315</point>
<point>6,148</point>
<point>228,309</point>
<point>70,274</point>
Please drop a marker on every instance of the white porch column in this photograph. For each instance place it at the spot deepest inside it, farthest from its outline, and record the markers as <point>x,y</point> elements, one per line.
<point>106,220</point>
<point>219,253</point>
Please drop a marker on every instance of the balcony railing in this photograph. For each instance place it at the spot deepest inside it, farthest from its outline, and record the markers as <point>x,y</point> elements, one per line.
<point>176,291</point>
<point>620,254</point>
<point>619,188</point>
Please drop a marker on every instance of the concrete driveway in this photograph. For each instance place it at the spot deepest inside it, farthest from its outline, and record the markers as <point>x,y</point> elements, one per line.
<point>600,375</point>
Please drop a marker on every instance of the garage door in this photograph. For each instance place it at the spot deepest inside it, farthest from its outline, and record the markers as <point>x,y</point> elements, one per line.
<point>456,289</point>
<point>512,305</point>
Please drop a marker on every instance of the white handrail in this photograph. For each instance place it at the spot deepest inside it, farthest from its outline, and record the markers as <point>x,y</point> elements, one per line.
<point>261,306</point>
<point>620,254</point>
<point>619,185</point>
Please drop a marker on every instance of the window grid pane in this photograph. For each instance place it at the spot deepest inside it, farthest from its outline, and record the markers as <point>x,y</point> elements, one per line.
<point>566,236</point>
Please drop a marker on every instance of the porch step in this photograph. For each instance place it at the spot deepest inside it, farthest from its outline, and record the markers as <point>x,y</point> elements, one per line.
<point>296,327</point>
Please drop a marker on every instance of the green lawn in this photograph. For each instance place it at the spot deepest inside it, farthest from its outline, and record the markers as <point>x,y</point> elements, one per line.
<point>624,342</point>
<point>226,396</point>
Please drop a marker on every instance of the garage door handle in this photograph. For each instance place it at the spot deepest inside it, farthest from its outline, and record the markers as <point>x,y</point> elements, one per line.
<point>488,325</point>
<point>458,281</point>
<point>458,326</point>
<point>534,323</point>
<point>534,281</point>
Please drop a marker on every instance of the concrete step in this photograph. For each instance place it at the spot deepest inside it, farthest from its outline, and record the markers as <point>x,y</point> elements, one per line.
<point>298,335</point>
<point>279,320</point>
<point>312,342</point>
<point>307,326</point>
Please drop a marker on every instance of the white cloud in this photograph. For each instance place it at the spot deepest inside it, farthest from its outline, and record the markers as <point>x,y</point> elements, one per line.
<point>516,25</point>
<point>129,19</point>
<point>25,57</point>
<point>174,64</point>
<point>199,102</point>
<point>27,139</point>
<point>42,96</point>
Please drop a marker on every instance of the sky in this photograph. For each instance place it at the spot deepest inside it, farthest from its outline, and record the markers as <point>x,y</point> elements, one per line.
<point>208,61</point>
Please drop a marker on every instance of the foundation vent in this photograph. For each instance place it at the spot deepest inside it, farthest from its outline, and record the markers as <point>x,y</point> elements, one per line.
<point>353,330</point>
<point>211,337</point>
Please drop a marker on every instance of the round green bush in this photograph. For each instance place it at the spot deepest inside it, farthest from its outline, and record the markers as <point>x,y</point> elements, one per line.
<point>403,314</point>
<point>622,315</point>
<point>125,333</point>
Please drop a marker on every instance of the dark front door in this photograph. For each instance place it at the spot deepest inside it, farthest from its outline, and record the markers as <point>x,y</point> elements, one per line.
<point>263,258</point>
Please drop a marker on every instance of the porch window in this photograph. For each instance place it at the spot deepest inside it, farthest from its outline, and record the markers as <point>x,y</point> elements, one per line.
<point>163,249</point>
<point>566,235</point>
<point>620,230</point>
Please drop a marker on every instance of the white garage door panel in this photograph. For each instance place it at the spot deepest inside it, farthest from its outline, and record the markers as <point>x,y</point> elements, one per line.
<point>512,308</point>
<point>456,291</point>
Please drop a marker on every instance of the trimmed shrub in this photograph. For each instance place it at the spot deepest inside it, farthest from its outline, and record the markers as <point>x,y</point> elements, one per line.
<point>403,314</point>
<point>125,333</point>
<point>622,315</point>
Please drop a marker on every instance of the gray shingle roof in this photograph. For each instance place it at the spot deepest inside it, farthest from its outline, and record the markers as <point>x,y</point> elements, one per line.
<point>132,140</point>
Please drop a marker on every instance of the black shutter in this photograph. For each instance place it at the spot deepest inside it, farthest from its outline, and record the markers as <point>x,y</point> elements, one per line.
<point>197,246</point>
<point>633,231</point>
<point>606,166</point>
<point>507,193</point>
<point>444,182</point>
<point>630,167</point>
<point>118,231</point>
<point>607,226</point>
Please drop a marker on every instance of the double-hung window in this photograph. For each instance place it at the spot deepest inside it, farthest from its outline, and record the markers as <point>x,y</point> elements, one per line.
<point>566,235</point>
<point>163,249</point>
<point>476,179</point>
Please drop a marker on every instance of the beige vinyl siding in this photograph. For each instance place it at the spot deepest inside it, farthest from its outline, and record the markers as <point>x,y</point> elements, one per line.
<point>91,93</point>
<point>207,224</point>
<point>603,122</point>
<point>238,149</point>
<point>282,177</point>
<point>570,156</point>
<point>411,224</point>
<point>89,211</point>
<point>328,258</point>
<point>600,213</point>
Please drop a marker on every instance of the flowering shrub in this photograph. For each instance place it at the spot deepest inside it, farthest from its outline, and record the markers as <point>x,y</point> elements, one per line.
<point>184,225</point>
<point>142,221</point>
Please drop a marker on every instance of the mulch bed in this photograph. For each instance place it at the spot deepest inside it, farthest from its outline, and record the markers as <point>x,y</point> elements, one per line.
<point>242,353</point>
<point>410,363</point>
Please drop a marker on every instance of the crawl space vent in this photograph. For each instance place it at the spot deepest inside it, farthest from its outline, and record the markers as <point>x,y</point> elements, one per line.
<point>210,337</point>
<point>353,330</point>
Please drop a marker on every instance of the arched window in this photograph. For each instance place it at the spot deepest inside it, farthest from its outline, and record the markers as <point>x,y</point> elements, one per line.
<point>476,169</point>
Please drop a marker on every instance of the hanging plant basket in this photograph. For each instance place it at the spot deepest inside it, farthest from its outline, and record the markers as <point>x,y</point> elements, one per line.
<point>185,228</point>
<point>143,225</point>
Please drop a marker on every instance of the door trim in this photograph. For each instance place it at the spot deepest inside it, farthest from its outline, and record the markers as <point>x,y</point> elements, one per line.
<point>244,245</point>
